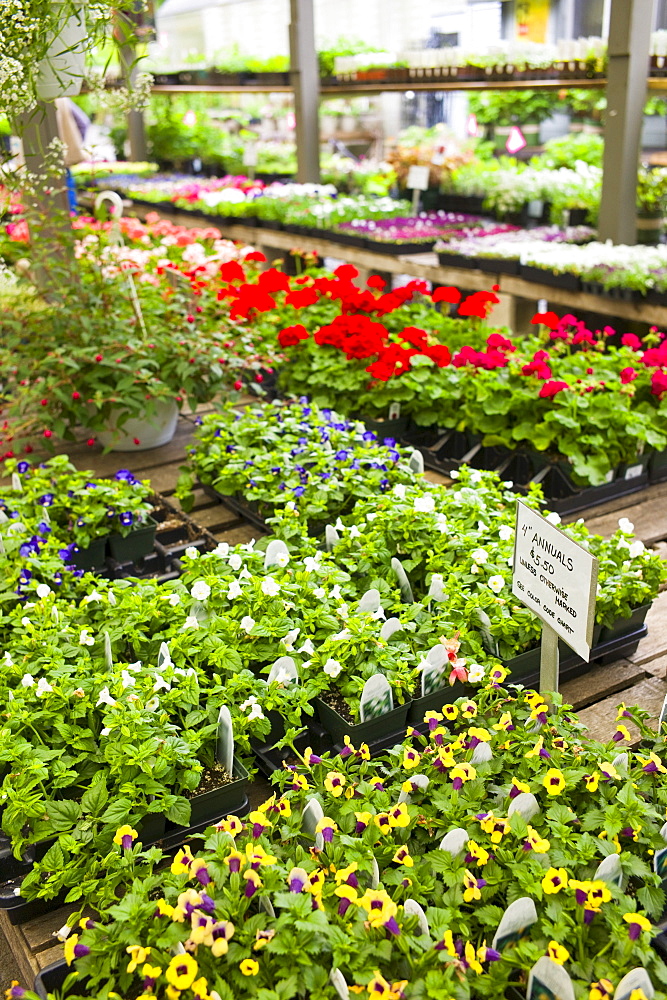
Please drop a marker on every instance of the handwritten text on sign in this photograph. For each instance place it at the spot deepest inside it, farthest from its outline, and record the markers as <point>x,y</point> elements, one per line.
<point>556,578</point>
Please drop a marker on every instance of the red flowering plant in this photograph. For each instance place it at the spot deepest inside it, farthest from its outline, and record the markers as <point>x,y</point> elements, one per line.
<point>121,329</point>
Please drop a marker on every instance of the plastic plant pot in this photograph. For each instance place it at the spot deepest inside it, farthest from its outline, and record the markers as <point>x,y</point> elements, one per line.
<point>434,702</point>
<point>387,428</point>
<point>623,626</point>
<point>134,546</point>
<point>218,802</point>
<point>92,556</point>
<point>658,466</point>
<point>151,828</point>
<point>371,731</point>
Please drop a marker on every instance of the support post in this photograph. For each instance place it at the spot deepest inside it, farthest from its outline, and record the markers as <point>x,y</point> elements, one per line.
<point>45,197</point>
<point>628,51</point>
<point>305,79</point>
<point>549,661</point>
<point>127,55</point>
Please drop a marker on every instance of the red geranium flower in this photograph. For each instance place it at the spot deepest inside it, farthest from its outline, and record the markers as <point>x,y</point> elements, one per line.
<point>628,375</point>
<point>631,340</point>
<point>256,255</point>
<point>438,353</point>
<point>659,383</point>
<point>446,293</point>
<point>550,389</point>
<point>347,272</point>
<point>549,319</point>
<point>292,335</point>
<point>232,271</point>
<point>500,343</point>
<point>375,281</point>
<point>478,304</point>
<point>302,297</point>
<point>273,280</point>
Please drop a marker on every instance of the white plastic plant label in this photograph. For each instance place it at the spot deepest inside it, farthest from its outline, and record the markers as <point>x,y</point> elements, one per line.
<point>412,909</point>
<point>482,754</point>
<point>16,482</point>
<point>633,471</point>
<point>663,715</point>
<point>284,672</point>
<point>514,922</point>
<point>376,698</point>
<point>490,643</point>
<point>515,140</point>
<point>455,841</point>
<point>390,627</point>
<point>636,979</point>
<point>337,980</point>
<point>525,804</point>
<point>163,657</point>
<point>621,761</point>
<point>224,753</point>
<point>417,781</point>
<point>311,815</point>
<point>264,903</point>
<point>370,601</point>
<point>610,870</point>
<point>416,462</point>
<point>277,554</point>
<point>549,979</point>
<point>435,591</point>
<point>394,411</point>
<point>403,582</point>
<point>108,655</point>
<point>331,538</point>
<point>375,873</point>
<point>433,679</point>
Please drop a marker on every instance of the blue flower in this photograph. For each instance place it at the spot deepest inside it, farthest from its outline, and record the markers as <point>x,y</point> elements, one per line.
<point>304,401</point>
<point>23,467</point>
<point>394,456</point>
<point>384,484</point>
<point>298,491</point>
<point>341,455</point>
<point>246,465</point>
<point>57,579</point>
<point>389,442</point>
<point>25,575</point>
<point>325,475</point>
<point>111,512</point>
<point>66,553</point>
<point>229,448</point>
<point>355,464</point>
<point>78,573</point>
<point>303,441</point>
<point>369,436</point>
<point>46,500</point>
<point>275,470</point>
<point>252,482</point>
<point>91,486</point>
<point>123,475</point>
<point>80,523</point>
<point>126,518</point>
<point>43,528</point>
<point>28,549</point>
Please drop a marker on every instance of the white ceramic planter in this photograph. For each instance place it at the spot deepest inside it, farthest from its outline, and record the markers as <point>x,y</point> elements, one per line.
<point>151,432</point>
<point>62,69</point>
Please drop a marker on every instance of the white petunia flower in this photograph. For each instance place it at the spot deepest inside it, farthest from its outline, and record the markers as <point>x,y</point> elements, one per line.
<point>332,667</point>
<point>496,583</point>
<point>371,516</point>
<point>235,562</point>
<point>454,474</point>
<point>249,546</point>
<point>339,526</point>
<point>476,477</point>
<point>174,599</point>
<point>343,610</point>
<point>191,552</point>
<point>505,532</point>
<point>161,683</point>
<point>282,559</point>
<point>320,593</point>
<point>312,563</point>
<point>379,614</point>
<point>104,698</point>
<point>307,647</point>
<point>105,731</point>
<point>127,679</point>
<point>626,525</point>
<point>399,491</point>
<point>246,704</point>
<point>290,638</point>
<point>153,705</point>
<point>255,713</point>
<point>43,590</point>
<point>200,590</point>
<point>270,587</point>
<point>553,517</point>
<point>8,659</point>
<point>479,556</point>
<point>636,548</point>
<point>354,531</point>
<point>25,622</point>
<point>221,549</point>
<point>93,596</point>
<point>27,681</point>
<point>234,590</point>
<point>475,673</point>
<point>425,504</point>
<point>341,636</point>
<point>85,639</point>
<point>191,622</point>
<point>247,623</point>
<point>245,574</point>
<point>335,593</point>
<point>135,667</point>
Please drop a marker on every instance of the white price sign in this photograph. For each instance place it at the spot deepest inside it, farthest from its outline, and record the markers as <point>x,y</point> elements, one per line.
<point>417,178</point>
<point>556,578</point>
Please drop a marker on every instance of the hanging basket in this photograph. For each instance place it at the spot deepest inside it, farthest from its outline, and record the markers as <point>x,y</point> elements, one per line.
<point>151,431</point>
<point>61,71</point>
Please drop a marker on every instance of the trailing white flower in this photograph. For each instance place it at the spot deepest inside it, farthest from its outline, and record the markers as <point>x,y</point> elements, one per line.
<point>191,552</point>
<point>27,681</point>
<point>174,599</point>
<point>424,504</point>
<point>332,667</point>
<point>43,590</point>
<point>161,684</point>
<point>626,525</point>
<point>282,559</point>
<point>235,562</point>
<point>234,590</point>
<point>93,596</point>
<point>85,639</point>
<point>127,680</point>
<point>191,622</point>
<point>200,590</point>
<point>270,587</point>
<point>496,583</point>
<point>221,549</point>
<point>475,673</point>
<point>553,517</point>
<point>479,556</point>
<point>636,549</point>
<point>505,532</point>
<point>247,623</point>
<point>104,698</point>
